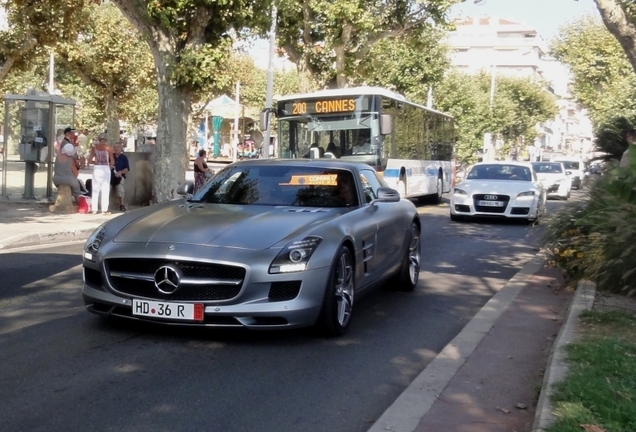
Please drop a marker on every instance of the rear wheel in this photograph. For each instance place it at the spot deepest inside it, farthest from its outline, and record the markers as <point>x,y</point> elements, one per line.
<point>401,187</point>
<point>439,191</point>
<point>410,271</point>
<point>337,307</point>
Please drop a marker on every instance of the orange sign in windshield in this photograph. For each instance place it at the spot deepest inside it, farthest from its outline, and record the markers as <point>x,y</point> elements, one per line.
<point>313,180</point>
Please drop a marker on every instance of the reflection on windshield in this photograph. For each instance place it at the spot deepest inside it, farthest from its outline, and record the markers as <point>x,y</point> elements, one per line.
<point>500,172</point>
<point>342,136</point>
<point>281,186</point>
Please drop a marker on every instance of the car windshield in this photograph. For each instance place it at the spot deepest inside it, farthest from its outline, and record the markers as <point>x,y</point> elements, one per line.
<point>547,168</point>
<point>280,185</point>
<point>571,165</point>
<point>500,172</point>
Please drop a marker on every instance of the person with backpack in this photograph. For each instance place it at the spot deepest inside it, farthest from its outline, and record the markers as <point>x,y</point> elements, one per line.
<point>122,167</point>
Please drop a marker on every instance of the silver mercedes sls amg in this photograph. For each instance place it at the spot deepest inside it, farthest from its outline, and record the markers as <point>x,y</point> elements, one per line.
<point>264,244</point>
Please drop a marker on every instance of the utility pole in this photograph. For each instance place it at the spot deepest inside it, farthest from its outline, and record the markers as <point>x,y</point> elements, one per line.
<point>270,80</point>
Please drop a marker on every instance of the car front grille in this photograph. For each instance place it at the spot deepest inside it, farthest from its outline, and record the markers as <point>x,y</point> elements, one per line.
<point>201,281</point>
<point>486,209</point>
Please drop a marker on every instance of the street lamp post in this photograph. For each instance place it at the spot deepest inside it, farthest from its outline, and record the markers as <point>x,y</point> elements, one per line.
<point>270,80</point>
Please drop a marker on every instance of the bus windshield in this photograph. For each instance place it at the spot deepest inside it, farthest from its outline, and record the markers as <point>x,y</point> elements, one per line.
<point>335,136</point>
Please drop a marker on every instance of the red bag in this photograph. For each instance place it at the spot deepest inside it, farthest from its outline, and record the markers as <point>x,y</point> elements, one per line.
<point>82,204</point>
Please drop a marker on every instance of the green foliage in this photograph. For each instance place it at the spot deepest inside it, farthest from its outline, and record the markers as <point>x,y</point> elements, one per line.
<point>604,82</point>
<point>518,106</point>
<point>407,65</point>
<point>600,387</point>
<point>332,40</point>
<point>596,239</point>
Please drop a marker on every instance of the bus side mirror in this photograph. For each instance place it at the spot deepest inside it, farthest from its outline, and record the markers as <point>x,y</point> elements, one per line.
<point>264,118</point>
<point>386,124</point>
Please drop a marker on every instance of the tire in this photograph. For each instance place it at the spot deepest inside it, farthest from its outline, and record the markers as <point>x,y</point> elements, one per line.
<point>337,307</point>
<point>455,218</point>
<point>401,188</point>
<point>439,191</point>
<point>410,270</point>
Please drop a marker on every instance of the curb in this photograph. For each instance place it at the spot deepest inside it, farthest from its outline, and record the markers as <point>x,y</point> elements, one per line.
<point>557,365</point>
<point>408,409</point>
<point>36,239</point>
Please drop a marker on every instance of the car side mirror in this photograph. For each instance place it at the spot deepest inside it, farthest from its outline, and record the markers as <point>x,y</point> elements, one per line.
<point>568,172</point>
<point>387,194</point>
<point>186,189</point>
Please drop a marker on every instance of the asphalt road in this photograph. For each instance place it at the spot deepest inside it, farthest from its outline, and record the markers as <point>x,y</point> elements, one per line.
<point>64,369</point>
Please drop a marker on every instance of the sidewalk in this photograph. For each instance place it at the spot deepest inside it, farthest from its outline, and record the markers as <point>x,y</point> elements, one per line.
<point>30,223</point>
<point>494,376</point>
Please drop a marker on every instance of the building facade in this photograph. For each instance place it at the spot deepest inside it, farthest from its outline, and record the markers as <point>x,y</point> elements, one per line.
<point>509,48</point>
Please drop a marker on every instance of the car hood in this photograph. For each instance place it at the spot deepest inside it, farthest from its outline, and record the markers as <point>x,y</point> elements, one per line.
<point>507,187</point>
<point>222,225</point>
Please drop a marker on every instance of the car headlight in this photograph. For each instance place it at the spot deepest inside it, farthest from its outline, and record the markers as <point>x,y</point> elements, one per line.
<point>294,256</point>
<point>458,191</point>
<point>528,194</point>
<point>94,242</point>
<point>559,181</point>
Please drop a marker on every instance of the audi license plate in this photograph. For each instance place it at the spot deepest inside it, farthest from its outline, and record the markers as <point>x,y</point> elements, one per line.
<point>168,310</point>
<point>491,203</point>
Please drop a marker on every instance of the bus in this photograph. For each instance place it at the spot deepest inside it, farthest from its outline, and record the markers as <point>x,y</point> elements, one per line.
<point>410,145</point>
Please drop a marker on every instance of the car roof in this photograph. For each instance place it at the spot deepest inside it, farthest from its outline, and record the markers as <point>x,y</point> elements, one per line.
<point>523,164</point>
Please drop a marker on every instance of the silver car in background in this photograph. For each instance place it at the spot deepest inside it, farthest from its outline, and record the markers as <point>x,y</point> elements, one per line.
<point>265,244</point>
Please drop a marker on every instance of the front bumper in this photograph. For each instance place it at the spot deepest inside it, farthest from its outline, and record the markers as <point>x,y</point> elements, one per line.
<point>261,301</point>
<point>514,208</point>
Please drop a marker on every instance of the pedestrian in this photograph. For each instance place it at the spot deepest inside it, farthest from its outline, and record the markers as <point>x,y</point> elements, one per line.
<point>82,147</point>
<point>201,170</point>
<point>122,167</point>
<point>65,170</point>
<point>103,163</point>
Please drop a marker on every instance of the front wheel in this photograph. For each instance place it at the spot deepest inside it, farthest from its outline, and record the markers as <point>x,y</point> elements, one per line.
<point>337,307</point>
<point>410,270</point>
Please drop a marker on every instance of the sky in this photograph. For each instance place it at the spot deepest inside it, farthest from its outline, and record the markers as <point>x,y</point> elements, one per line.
<point>546,16</point>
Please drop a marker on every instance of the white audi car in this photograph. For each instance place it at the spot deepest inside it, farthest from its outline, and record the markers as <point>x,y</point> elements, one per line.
<point>554,178</point>
<point>499,189</point>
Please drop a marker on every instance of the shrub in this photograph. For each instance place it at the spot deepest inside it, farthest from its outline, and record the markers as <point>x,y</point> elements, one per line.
<point>596,239</point>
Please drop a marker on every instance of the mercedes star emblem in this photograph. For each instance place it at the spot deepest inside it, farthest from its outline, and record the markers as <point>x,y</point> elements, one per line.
<point>167,278</point>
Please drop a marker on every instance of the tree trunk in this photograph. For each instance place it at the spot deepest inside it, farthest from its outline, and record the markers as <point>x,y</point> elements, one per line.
<point>619,25</point>
<point>171,155</point>
<point>112,118</point>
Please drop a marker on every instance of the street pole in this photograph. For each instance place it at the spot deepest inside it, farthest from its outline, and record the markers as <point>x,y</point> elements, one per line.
<point>270,80</point>
<point>236,121</point>
<point>51,73</point>
<point>487,144</point>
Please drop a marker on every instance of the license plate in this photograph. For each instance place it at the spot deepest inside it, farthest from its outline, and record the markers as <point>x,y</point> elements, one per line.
<point>168,310</point>
<point>491,203</point>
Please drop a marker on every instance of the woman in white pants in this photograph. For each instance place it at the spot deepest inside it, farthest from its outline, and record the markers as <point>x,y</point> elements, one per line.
<point>103,162</point>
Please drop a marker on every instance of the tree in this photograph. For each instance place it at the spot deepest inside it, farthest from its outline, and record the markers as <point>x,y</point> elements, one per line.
<point>518,106</point>
<point>109,56</point>
<point>26,36</point>
<point>328,40</point>
<point>408,64</point>
<point>597,63</point>
<point>190,42</point>
<point>619,17</point>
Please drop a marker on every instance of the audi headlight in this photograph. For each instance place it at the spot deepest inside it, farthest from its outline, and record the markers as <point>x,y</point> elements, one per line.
<point>458,191</point>
<point>528,194</point>
<point>94,242</point>
<point>294,256</point>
